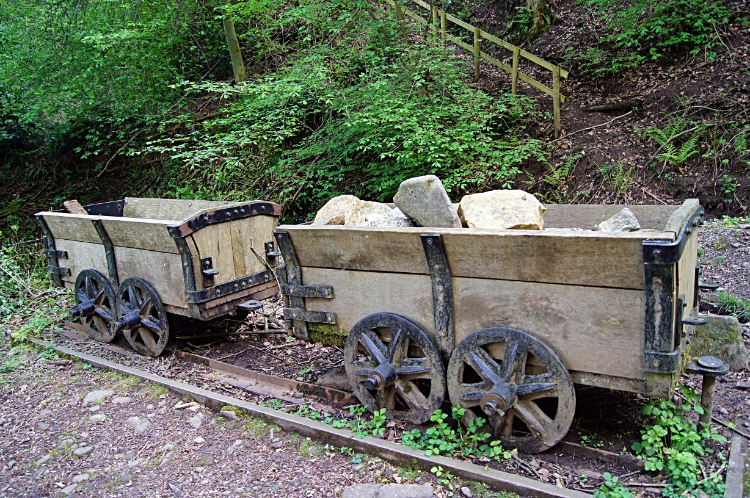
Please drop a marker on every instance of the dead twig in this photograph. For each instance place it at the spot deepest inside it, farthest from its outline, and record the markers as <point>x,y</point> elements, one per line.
<point>592,127</point>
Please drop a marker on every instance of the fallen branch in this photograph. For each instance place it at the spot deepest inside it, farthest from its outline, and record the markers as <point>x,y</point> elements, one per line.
<point>652,195</point>
<point>592,127</point>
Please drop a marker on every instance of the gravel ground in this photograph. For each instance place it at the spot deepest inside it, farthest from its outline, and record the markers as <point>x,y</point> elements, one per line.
<point>142,441</point>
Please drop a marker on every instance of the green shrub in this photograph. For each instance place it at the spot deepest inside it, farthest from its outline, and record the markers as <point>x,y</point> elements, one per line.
<point>645,30</point>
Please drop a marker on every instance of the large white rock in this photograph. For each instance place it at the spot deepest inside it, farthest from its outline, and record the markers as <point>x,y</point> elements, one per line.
<point>502,209</point>
<point>624,221</point>
<point>341,210</point>
<point>425,200</point>
<point>369,210</point>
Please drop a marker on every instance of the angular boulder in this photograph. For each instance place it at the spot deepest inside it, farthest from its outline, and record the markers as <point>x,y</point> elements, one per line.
<point>425,200</point>
<point>624,221</point>
<point>504,209</point>
<point>369,210</point>
<point>721,336</point>
<point>341,210</point>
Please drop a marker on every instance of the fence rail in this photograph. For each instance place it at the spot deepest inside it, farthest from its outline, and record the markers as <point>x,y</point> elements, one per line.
<point>443,18</point>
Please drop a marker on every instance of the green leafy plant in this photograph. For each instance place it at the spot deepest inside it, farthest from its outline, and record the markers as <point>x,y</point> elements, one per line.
<point>617,177</point>
<point>674,445</point>
<point>611,488</point>
<point>642,30</point>
<point>556,179</point>
<point>665,136</point>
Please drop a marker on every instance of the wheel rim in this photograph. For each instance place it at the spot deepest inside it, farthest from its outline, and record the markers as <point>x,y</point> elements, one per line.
<point>93,287</point>
<point>403,357</point>
<point>149,332</point>
<point>522,378</point>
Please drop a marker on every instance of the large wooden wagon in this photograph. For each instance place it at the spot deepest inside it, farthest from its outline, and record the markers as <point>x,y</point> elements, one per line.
<point>506,320</point>
<point>132,261</point>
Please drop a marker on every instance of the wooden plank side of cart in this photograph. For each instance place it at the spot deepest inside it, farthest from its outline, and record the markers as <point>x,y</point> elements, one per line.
<point>580,292</point>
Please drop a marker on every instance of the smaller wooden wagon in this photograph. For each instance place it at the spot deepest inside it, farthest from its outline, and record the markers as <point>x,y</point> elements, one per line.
<point>132,261</point>
<point>505,321</point>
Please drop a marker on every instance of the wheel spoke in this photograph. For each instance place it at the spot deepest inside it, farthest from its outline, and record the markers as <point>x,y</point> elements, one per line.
<point>397,347</point>
<point>470,394</point>
<point>152,326</point>
<point>413,396</point>
<point>82,297</point>
<point>534,388</point>
<point>504,424</point>
<point>508,357</point>
<point>414,372</point>
<point>147,338</point>
<point>375,346</point>
<point>89,287</point>
<point>534,418</point>
<point>99,294</point>
<point>146,307</point>
<point>105,313</point>
<point>485,365</point>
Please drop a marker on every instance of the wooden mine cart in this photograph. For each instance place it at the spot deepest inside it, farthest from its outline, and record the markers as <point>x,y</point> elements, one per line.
<point>130,262</point>
<point>505,320</point>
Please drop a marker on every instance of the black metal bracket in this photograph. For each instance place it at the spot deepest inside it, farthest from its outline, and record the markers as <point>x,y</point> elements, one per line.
<point>292,275</point>
<point>272,255</point>
<point>662,252</point>
<point>109,251</point>
<point>304,315</point>
<point>442,293</point>
<point>658,362</point>
<point>659,319</point>
<point>227,288</point>
<point>694,321</point>
<point>188,272</point>
<point>111,208</point>
<point>222,215</point>
<point>58,270</point>
<point>322,291</point>
<point>208,272</point>
<point>56,253</point>
<point>49,250</point>
<point>708,285</point>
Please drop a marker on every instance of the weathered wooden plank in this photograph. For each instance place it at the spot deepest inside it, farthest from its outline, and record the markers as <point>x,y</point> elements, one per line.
<point>72,227</point>
<point>138,233</point>
<point>594,330</point>
<point>215,242</point>
<point>456,20</point>
<point>254,233</point>
<point>163,271</point>
<point>541,62</point>
<point>589,216</point>
<point>681,215</point>
<point>166,209</point>
<point>459,42</point>
<point>419,19</point>
<point>81,256</point>
<point>496,62</point>
<point>422,4</point>
<point>238,253</point>
<point>176,310</point>
<point>494,39</point>
<point>686,273</point>
<point>597,259</point>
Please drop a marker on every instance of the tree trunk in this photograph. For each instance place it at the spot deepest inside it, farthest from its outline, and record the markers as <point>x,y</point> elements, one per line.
<point>234,50</point>
<point>541,15</point>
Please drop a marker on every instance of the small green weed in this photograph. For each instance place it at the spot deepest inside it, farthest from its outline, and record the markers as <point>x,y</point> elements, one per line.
<point>611,488</point>
<point>674,446</point>
<point>736,305</point>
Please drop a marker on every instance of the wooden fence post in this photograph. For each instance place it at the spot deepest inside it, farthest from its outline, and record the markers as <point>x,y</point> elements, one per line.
<point>514,74</point>
<point>435,28</point>
<point>477,58</point>
<point>442,27</point>
<point>402,20</point>
<point>556,99</point>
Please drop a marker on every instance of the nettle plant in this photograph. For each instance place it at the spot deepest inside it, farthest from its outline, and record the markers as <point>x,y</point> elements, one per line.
<point>674,445</point>
<point>644,30</point>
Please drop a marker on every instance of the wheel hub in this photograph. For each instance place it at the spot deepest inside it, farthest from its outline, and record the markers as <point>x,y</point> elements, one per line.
<point>498,400</point>
<point>86,308</point>
<point>381,377</point>
<point>129,320</point>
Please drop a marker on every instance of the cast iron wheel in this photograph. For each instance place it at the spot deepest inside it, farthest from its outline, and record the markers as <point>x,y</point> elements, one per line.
<point>143,319</point>
<point>391,363</point>
<point>96,305</point>
<point>515,381</point>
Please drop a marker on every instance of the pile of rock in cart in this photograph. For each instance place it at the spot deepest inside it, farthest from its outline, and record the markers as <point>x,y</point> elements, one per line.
<point>423,201</point>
